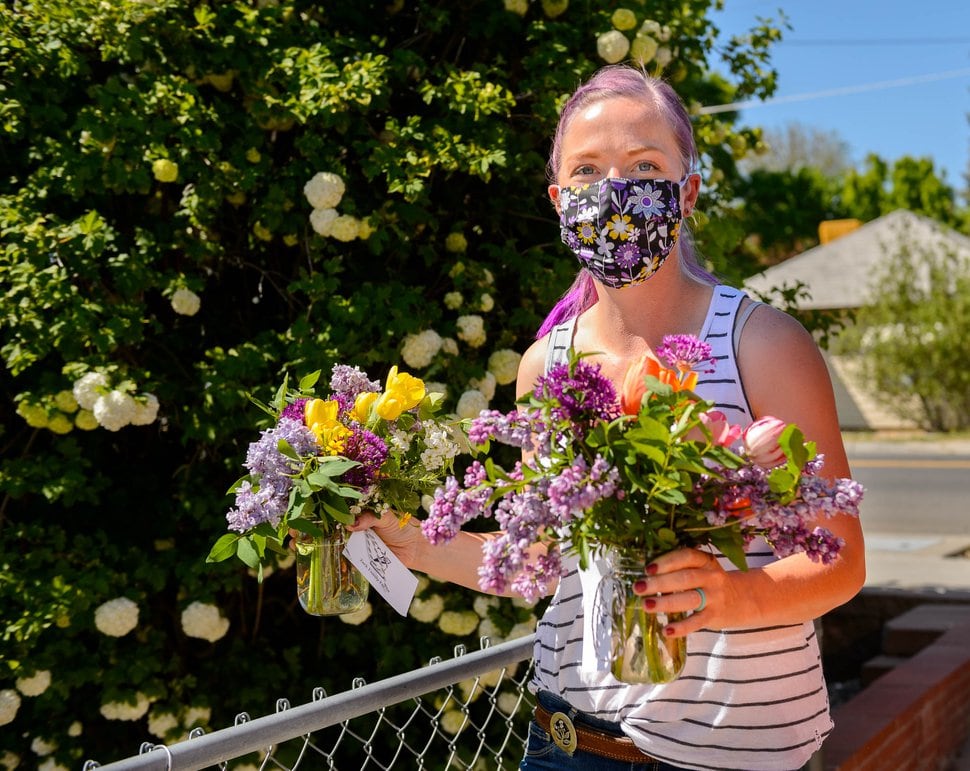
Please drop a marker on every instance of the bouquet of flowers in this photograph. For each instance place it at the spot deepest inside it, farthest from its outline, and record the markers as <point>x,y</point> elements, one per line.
<point>325,460</point>
<point>651,470</point>
<point>634,476</point>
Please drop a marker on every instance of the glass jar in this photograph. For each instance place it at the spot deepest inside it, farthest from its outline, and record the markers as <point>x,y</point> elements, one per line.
<point>327,584</point>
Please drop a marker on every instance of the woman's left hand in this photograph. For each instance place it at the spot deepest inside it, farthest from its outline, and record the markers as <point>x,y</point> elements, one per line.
<point>687,580</point>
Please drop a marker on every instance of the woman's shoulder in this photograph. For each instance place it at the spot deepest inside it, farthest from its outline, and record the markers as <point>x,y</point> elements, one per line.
<point>533,364</point>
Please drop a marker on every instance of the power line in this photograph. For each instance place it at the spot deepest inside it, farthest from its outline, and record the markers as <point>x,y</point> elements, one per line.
<point>916,41</point>
<point>878,86</point>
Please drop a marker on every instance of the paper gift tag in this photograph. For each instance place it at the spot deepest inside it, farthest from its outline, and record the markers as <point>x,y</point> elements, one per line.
<point>382,569</point>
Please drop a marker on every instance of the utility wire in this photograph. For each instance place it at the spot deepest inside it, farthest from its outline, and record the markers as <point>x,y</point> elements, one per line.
<point>877,86</point>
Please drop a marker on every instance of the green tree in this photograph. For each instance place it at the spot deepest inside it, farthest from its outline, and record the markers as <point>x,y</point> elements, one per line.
<point>912,338</point>
<point>158,238</point>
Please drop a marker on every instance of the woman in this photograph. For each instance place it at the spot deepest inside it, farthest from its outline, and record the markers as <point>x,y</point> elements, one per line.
<point>752,694</point>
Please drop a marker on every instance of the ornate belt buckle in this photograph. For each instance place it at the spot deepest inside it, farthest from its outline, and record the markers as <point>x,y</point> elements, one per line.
<point>563,732</point>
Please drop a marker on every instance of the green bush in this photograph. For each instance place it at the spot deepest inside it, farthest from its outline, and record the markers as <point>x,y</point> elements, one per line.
<point>157,240</point>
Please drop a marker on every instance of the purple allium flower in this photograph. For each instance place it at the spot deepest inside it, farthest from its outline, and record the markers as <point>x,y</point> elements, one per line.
<point>345,379</point>
<point>685,352</point>
<point>581,396</point>
<point>370,451</point>
<point>295,411</point>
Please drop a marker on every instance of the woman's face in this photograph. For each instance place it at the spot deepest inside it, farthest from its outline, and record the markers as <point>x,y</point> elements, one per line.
<point>621,137</point>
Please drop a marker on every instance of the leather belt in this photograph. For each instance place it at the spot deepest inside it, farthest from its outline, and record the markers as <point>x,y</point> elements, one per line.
<point>570,737</point>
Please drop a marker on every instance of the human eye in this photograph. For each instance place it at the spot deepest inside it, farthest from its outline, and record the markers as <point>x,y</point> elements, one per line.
<point>646,167</point>
<point>584,170</point>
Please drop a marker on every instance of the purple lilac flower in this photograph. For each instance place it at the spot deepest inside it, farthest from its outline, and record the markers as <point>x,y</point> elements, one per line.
<point>514,429</point>
<point>537,578</point>
<point>454,505</point>
<point>370,451</point>
<point>263,457</point>
<point>295,411</point>
<point>345,379</point>
<point>579,487</point>
<point>267,503</point>
<point>582,396</point>
<point>685,352</point>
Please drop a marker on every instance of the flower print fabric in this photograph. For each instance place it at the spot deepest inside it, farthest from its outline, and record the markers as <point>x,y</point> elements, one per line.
<point>621,229</point>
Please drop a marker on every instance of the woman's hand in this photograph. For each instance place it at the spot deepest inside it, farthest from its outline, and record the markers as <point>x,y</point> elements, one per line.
<point>404,541</point>
<point>688,580</point>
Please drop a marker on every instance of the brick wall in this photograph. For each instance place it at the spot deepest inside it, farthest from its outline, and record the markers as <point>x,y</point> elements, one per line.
<point>914,717</point>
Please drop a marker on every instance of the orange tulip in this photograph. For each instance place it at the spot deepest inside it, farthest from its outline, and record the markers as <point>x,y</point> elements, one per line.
<point>635,387</point>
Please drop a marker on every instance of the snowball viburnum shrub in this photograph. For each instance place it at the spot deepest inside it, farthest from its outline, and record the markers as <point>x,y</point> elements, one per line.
<point>324,190</point>
<point>114,410</point>
<point>419,349</point>
<point>36,684</point>
<point>359,616</point>
<point>458,622</point>
<point>118,710</point>
<point>146,410</point>
<point>426,609</point>
<point>185,302</point>
<point>504,364</point>
<point>9,705</point>
<point>471,403</point>
<point>204,621</point>
<point>165,170</point>
<point>116,617</point>
<point>88,388</point>
<point>456,243</point>
<point>471,329</point>
<point>345,228</point>
<point>321,220</point>
<point>486,384</point>
<point>612,46</point>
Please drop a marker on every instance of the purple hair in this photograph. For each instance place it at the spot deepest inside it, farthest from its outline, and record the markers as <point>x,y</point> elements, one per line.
<point>608,82</point>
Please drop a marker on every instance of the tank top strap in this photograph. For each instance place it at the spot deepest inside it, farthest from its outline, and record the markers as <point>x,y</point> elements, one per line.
<point>560,341</point>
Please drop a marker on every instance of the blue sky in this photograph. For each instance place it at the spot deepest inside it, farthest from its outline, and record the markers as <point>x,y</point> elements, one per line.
<point>864,45</point>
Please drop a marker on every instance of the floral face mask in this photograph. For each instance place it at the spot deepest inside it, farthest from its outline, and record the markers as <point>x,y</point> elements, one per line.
<point>621,229</point>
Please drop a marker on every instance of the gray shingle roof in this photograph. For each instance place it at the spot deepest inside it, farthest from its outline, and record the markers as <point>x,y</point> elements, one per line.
<point>840,274</point>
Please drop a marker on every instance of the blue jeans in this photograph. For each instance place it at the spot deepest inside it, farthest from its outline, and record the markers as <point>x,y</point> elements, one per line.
<point>542,754</point>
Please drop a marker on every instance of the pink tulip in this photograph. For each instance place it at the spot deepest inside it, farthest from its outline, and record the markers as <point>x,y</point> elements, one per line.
<point>722,432</point>
<point>761,442</point>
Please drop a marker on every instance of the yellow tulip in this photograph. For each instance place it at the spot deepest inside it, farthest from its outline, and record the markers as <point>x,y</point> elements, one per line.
<point>320,411</point>
<point>362,406</point>
<point>409,388</point>
<point>389,406</point>
<point>321,418</point>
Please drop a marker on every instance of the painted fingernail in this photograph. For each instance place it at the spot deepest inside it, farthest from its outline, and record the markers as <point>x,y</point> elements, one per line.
<point>640,586</point>
<point>668,631</point>
<point>652,569</point>
<point>649,604</point>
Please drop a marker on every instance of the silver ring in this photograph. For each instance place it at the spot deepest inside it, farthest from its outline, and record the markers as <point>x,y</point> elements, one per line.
<point>703,600</point>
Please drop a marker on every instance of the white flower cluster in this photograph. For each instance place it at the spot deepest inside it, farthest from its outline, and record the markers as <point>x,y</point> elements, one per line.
<point>359,616</point>
<point>9,704</point>
<point>612,46</point>
<point>471,403</point>
<point>50,764</point>
<point>120,710</point>
<point>504,365</point>
<point>449,346</point>
<point>453,300</point>
<point>114,409</point>
<point>164,724</point>
<point>116,617</point>
<point>439,447</point>
<point>419,350</point>
<point>518,7</point>
<point>453,721</point>
<point>41,746</point>
<point>486,384</point>
<point>161,723</point>
<point>9,760</point>
<point>471,329</point>
<point>185,302</point>
<point>424,609</point>
<point>202,620</point>
<point>456,243</point>
<point>324,191</point>
<point>458,622</point>
<point>36,684</point>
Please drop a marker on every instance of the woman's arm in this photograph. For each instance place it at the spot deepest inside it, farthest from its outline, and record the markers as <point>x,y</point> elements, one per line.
<point>784,375</point>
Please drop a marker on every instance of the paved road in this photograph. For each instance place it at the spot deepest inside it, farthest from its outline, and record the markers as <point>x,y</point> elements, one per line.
<point>916,513</point>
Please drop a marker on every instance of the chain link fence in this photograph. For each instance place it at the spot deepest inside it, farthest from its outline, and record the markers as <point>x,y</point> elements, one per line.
<point>469,713</point>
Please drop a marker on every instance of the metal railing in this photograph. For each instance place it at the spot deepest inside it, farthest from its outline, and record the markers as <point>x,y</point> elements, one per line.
<point>470,712</point>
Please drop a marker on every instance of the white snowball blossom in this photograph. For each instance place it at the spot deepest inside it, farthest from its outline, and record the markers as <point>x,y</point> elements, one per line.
<point>87,389</point>
<point>453,300</point>
<point>321,220</point>
<point>114,410</point>
<point>185,302</point>
<point>145,411</point>
<point>9,704</point>
<point>160,723</point>
<point>324,190</point>
<point>471,329</point>
<point>425,610</point>
<point>50,764</point>
<point>41,746</point>
<point>116,617</point>
<point>345,228</point>
<point>118,710</point>
<point>504,364</point>
<point>471,403</point>
<point>36,684</point>
<point>419,350</point>
<point>196,716</point>
<point>449,346</point>
<point>358,616</point>
<point>486,384</point>
<point>202,620</point>
<point>612,46</point>
<point>458,622</point>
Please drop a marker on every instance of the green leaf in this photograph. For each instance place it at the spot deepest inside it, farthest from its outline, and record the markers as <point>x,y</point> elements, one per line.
<point>286,449</point>
<point>728,543</point>
<point>334,466</point>
<point>341,515</point>
<point>308,381</point>
<point>247,552</point>
<point>224,548</point>
<point>306,526</point>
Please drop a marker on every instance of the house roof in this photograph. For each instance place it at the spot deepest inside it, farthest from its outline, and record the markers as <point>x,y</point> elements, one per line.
<point>843,272</point>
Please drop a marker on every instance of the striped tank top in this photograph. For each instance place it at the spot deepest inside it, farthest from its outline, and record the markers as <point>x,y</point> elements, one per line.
<point>747,699</point>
